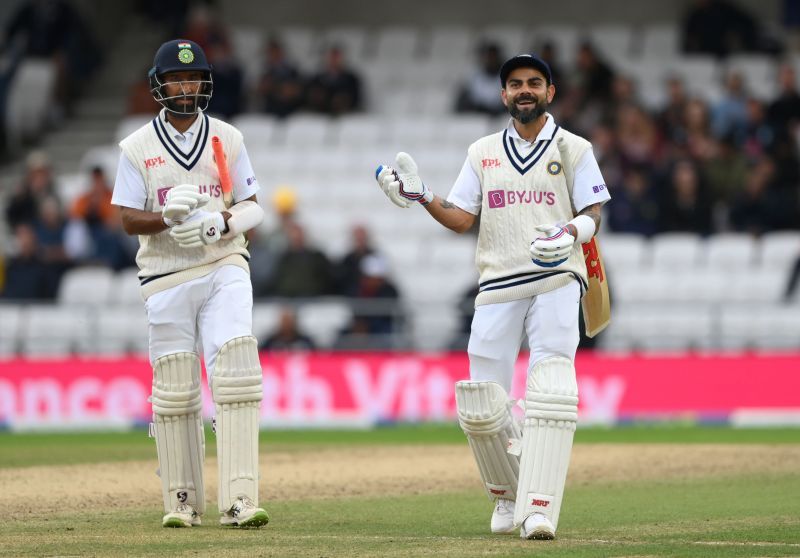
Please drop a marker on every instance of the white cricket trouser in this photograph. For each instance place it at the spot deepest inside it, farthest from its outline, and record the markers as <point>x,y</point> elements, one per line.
<point>201,315</point>
<point>550,321</point>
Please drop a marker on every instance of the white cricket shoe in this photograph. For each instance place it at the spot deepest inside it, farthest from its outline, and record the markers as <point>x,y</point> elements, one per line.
<point>538,527</point>
<point>182,516</point>
<point>503,517</point>
<point>244,513</point>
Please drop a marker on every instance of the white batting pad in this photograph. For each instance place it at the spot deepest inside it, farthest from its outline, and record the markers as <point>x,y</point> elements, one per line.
<point>236,387</point>
<point>484,413</point>
<point>551,412</point>
<point>178,429</point>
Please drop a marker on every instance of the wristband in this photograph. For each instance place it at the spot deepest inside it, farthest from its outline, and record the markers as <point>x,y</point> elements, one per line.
<point>585,227</point>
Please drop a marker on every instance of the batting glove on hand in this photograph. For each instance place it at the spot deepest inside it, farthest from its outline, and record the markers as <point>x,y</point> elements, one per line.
<point>200,229</point>
<point>181,201</point>
<point>403,185</point>
<point>553,249</point>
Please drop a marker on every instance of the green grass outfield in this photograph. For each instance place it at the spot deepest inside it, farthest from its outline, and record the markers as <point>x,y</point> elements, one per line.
<point>740,516</point>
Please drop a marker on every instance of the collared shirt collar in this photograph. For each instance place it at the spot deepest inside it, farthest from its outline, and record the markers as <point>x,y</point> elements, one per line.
<point>545,134</point>
<point>176,135</point>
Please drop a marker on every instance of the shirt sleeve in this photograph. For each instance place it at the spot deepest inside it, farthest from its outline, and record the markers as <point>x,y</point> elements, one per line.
<point>589,187</point>
<point>129,187</point>
<point>243,177</point>
<point>466,192</point>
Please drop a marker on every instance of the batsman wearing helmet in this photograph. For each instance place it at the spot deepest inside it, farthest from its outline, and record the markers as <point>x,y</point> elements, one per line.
<point>539,191</point>
<point>196,286</point>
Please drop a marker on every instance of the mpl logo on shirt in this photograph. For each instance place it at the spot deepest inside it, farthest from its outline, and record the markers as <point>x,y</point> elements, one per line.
<point>502,198</point>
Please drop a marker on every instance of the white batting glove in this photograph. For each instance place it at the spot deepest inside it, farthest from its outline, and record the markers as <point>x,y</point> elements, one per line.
<point>181,201</point>
<point>402,185</point>
<point>199,229</point>
<point>554,248</point>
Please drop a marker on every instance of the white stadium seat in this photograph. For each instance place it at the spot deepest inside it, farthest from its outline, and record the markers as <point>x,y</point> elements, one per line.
<point>55,331</point>
<point>266,316</point>
<point>660,41</point>
<point>323,321</point>
<point>731,251</point>
<point>11,317</point>
<point>779,250</point>
<point>85,285</point>
<point>258,130</point>
<point>125,288</point>
<point>623,252</point>
<point>397,44</point>
<point>119,330</point>
<point>676,251</point>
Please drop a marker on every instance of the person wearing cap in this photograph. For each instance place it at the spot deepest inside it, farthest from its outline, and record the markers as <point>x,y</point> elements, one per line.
<point>539,192</point>
<point>193,269</point>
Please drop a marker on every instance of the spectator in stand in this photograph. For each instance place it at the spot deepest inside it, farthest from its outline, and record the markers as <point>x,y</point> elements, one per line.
<point>725,172</point>
<point>203,27</point>
<point>783,113</point>
<point>686,207</point>
<point>302,270</point>
<point>593,77</point>
<point>23,205</point>
<point>718,27</point>
<point>479,92</point>
<point>228,97</point>
<point>94,211</point>
<point>671,118</point>
<point>759,208</point>
<point>268,243</point>
<point>281,86</point>
<point>287,337</point>
<point>637,135</point>
<point>50,230</point>
<point>697,126</point>
<point>635,208</point>
<point>758,132</point>
<point>729,114</point>
<point>348,272</point>
<point>336,89</point>
<point>27,275</point>
<point>140,98</point>
<point>374,326</point>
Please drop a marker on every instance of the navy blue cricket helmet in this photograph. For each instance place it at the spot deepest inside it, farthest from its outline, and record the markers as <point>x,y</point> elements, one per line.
<point>181,55</point>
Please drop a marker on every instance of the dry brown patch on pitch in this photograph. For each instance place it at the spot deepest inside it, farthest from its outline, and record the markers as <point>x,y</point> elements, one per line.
<point>374,471</point>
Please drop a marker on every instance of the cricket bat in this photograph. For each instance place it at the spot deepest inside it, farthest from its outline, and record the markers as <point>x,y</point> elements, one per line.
<point>222,169</point>
<point>595,304</point>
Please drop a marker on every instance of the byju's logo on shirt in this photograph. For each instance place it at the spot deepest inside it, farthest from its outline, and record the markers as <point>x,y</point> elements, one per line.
<point>502,198</point>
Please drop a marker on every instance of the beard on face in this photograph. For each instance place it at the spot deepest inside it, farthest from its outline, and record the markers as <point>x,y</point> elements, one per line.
<point>526,115</point>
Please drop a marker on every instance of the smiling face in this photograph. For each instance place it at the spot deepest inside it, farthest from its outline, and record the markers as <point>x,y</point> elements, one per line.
<point>527,94</point>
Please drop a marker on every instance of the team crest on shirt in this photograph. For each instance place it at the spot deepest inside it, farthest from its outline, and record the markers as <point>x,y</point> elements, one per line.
<point>554,168</point>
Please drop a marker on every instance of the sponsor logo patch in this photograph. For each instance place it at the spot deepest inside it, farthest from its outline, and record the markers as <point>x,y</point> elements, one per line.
<point>598,188</point>
<point>153,162</point>
<point>542,503</point>
<point>502,198</point>
<point>490,163</point>
<point>497,198</point>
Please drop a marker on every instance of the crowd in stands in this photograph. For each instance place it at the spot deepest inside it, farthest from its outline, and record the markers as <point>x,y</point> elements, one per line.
<point>695,165</point>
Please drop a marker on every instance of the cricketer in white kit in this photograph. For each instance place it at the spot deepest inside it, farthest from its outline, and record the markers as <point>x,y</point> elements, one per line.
<point>532,276</point>
<point>195,280</point>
